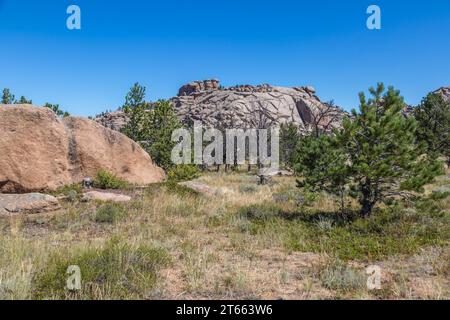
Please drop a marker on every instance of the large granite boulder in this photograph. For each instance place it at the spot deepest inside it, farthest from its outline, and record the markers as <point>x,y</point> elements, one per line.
<point>40,151</point>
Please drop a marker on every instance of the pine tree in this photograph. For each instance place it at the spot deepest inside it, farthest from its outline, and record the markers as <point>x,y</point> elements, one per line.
<point>24,100</point>
<point>136,126</point>
<point>289,139</point>
<point>151,125</point>
<point>7,97</point>
<point>322,164</point>
<point>433,119</point>
<point>57,110</point>
<point>383,157</point>
<point>135,108</point>
<point>135,97</point>
<point>162,121</point>
<point>373,158</point>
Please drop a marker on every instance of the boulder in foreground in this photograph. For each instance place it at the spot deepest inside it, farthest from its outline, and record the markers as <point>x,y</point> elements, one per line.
<point>40,151</point>
<point>31,203</point>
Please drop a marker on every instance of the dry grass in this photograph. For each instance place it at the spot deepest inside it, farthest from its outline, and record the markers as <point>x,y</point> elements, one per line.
<point>215,250</point>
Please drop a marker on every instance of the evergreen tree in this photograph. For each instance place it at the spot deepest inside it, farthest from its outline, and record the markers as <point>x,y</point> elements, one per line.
<point>7,97</point>
<point>322,163</point>
<point>135,97</point>
<point>56,109</point>
<point>433,119</point>
<point>135,108</point>
<point>151,125</point>
<point>24,100</point>
<point>136,126</point>
<point>383,157</point>
<point>289,138</point>
<point>162,121</point>
<point>374,157</point>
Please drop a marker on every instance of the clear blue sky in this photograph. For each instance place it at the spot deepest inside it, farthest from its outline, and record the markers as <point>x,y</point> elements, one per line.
<point>164,44</point>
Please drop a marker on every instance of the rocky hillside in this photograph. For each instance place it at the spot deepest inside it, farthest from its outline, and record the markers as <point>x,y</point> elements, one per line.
<point>245,106</point>
<point>248,106</point>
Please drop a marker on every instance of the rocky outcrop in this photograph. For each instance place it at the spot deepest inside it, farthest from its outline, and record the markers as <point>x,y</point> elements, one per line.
<point>249,106</point>
<point>31,203</point>
<point>445,92</point>
<point>40,151</point>
<point>113,120</point>
<point>198,86</point>
<point>244,106</point>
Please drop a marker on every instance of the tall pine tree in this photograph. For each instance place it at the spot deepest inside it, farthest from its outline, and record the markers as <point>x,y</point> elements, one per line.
<point>373,158</point>
<point>7,97</point>
<point>151,125</point>
<point>383,157</point>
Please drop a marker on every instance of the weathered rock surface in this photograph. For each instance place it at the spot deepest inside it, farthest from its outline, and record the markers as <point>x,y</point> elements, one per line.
<point>243,106</point>
<point>113,120</point>
<point>30,203</point>
<point>251,106</point>
<point>247,106</point>
<point>40,151</point>
<point>105,196</point>
<point>445,92</point>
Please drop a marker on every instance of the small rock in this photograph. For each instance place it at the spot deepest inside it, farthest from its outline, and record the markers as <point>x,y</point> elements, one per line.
<point>199,187</point>
<point>29,203</point>
<point>105,196</point>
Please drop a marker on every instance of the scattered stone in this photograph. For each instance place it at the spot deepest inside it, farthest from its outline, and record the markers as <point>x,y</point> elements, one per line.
<point>199,187</point>
<point>105,196</point>
<point>30,203</point>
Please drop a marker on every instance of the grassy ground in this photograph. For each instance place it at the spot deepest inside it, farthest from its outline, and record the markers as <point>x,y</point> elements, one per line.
<point>248,241</point>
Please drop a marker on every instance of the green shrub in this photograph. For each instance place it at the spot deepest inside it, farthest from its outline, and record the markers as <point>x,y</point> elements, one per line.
<point>108,213</point>
<point>72,196</point>
<point>108,180</point>
<point>116,271</point>
<point>69,189</point>
<point>338,276</point>
<point>183,173</point>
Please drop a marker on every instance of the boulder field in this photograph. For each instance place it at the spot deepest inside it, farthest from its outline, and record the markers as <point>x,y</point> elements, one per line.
<point>40,151</point>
